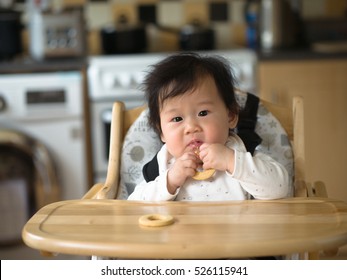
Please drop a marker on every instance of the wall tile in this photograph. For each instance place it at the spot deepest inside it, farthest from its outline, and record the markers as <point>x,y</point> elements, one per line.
<point>236,11</point>
<point>223,35</point>
<point>238,36</point>
<point>66,3</point>
<point>170,13</point>
<point>103,11</point>
<point>129,10</point>
<point>219,11</point>
<point>147,13</point>
<point>143,1</point>
<point>336,8</point>
<point>93,41</point>
<point>313,8</point>
<point>196,11</point>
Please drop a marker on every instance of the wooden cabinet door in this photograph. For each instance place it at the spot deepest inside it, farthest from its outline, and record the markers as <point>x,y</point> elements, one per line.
<point>323,84</point>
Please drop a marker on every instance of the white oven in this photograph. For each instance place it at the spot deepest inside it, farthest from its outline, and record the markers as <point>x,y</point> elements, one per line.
<point>119,77</point>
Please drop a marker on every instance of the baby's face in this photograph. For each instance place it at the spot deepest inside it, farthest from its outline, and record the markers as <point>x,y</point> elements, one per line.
<point>196,117</point>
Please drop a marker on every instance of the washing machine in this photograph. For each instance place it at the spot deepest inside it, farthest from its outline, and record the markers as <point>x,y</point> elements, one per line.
<point>42,145</point>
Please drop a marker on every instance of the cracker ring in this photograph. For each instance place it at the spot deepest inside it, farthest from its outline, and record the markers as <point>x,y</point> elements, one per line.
<point>156,220</point>
<point>203,175</point>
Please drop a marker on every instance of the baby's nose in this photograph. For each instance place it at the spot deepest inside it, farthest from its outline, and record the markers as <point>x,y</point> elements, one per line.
<point>193,126</point>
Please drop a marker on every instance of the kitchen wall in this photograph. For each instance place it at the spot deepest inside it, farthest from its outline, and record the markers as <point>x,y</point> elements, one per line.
<point>225,17</point>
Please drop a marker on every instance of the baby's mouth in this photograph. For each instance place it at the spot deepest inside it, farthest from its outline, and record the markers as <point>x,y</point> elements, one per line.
<point>195,144</point>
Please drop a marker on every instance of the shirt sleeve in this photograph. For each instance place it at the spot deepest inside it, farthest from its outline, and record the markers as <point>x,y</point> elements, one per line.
<point>155,190</point>
<point>260,175</point>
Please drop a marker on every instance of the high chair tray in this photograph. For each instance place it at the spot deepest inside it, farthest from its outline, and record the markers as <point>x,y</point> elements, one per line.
<point>200,230</point>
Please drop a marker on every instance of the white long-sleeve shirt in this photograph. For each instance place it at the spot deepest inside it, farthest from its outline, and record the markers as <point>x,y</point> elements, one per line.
<point>258,175</point>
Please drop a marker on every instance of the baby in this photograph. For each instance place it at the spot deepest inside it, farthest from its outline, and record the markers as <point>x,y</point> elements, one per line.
<point>192,107</point>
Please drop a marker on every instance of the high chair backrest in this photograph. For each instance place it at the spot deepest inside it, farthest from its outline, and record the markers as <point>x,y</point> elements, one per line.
<point>292,122</point>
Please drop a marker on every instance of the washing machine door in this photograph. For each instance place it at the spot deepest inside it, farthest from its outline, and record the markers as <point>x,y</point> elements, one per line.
<point>28,181</point>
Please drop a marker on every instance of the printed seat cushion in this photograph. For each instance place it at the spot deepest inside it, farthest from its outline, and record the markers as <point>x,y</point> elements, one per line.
<point>141,144</point>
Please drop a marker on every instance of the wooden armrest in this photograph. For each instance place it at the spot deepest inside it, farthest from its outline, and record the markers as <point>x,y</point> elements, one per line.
<point>300,188</point>
<point>93,191</point>
<point>317,189</point>
<point>320,189</point>
<point>101,191</point>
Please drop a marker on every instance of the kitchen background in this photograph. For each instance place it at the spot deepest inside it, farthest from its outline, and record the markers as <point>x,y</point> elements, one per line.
<point>163,17</point>
<point>64,62</point>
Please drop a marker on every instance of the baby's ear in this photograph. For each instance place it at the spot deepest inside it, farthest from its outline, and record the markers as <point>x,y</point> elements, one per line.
<point>162,138</point>
<point>233,119</point>
<point>160,133</point>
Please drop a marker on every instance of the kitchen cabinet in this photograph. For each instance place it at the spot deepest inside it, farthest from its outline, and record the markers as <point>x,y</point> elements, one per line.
<point>323,84</point>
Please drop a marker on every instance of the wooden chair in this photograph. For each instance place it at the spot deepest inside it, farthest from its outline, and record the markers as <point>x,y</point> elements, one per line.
<point>291,120</point>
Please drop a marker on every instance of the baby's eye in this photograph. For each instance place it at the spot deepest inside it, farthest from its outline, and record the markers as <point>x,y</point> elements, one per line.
<point>176,119</point>
<point>203,113</point>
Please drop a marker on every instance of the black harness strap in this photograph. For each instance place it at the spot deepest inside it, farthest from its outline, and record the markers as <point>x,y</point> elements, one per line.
<point>245,128</point>
<point>150,170</point>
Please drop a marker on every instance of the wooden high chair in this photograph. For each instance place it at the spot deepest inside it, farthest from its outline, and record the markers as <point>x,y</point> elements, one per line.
<point>291,120</point>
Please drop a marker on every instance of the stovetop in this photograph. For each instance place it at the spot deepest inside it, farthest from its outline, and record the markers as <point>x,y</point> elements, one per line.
<point>121,75</point>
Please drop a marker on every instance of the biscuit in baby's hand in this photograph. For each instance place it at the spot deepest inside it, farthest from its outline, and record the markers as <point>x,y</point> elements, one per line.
<point>203,175</point>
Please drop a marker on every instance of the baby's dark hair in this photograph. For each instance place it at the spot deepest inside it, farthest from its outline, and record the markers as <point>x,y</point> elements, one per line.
<point>181,73</point>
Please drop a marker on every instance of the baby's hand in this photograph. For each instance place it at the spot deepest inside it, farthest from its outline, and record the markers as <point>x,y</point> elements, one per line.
<point>217,156</point>
<point>184,167</point>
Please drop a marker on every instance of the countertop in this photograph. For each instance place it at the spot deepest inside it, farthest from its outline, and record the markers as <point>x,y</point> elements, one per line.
<point>27,64</point>
<point>299,54</point>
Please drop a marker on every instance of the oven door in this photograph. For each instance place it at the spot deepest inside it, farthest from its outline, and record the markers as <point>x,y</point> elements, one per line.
<point>101,113</point>
<point>101,123</point>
